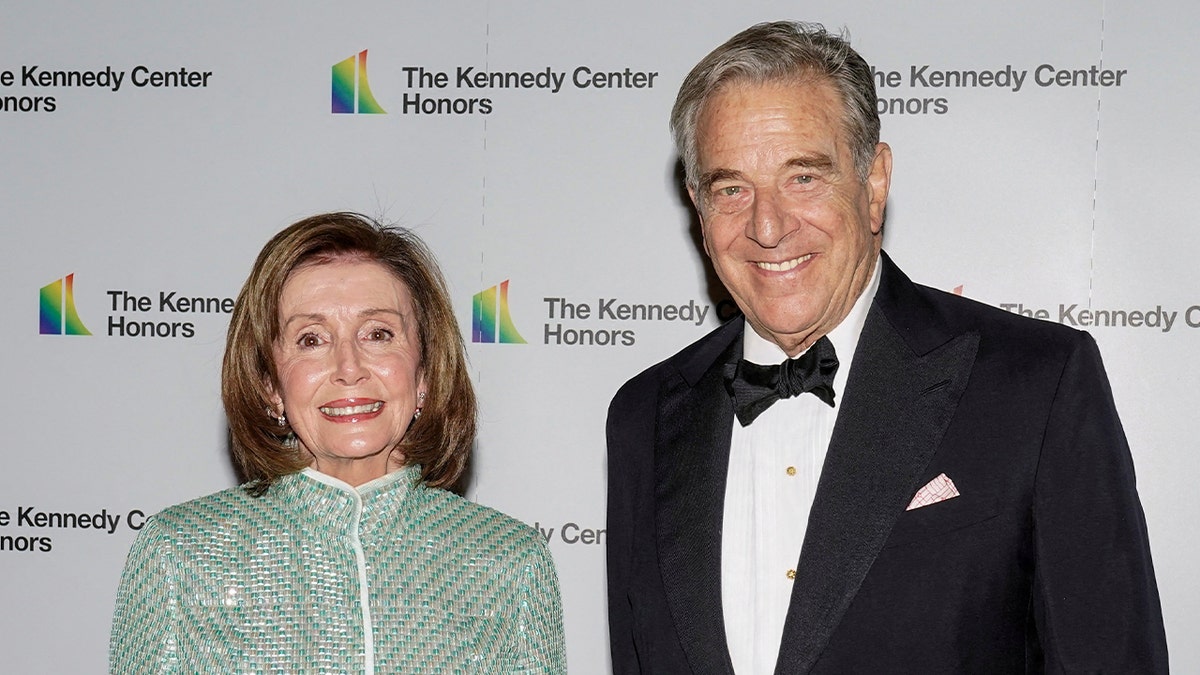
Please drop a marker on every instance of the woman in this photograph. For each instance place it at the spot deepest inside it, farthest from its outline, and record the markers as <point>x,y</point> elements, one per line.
<point>351,411</point>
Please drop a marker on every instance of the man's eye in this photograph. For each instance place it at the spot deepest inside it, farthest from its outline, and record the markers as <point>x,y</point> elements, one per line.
<point>804,180</point>
<point>729,191</point>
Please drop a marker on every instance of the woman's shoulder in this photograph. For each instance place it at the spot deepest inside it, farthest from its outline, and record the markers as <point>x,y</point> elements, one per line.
<point>204,513</point>
<point>479,525</point>
<point>234,498</point>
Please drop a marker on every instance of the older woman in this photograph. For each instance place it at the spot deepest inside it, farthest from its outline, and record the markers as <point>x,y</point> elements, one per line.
<point>350,411</point>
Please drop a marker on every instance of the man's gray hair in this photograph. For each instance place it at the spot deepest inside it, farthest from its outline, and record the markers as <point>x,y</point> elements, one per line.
<point>781,51</point>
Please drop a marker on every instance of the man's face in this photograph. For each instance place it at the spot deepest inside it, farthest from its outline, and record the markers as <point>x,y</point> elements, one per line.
<point>791,230</point>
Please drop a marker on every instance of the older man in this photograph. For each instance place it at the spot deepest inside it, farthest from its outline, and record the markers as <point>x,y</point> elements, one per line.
<point>860,474</point>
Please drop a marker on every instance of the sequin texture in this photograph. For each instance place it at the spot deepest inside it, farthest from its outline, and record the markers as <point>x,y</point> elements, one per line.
<point>232,583</point>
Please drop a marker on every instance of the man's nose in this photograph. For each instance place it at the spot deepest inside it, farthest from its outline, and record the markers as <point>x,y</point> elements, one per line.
<point>768,220</point>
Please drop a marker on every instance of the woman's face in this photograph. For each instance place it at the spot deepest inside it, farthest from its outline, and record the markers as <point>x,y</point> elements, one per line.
<point>349,365</point>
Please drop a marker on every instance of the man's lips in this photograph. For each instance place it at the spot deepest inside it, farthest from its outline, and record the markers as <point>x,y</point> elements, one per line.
<point>351,409</point>
<point>784,266</point>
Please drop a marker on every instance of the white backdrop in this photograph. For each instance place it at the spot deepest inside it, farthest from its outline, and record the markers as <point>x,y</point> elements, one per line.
<point>1038,197</point>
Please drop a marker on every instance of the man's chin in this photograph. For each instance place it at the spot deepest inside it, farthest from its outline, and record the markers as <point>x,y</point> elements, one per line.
<point>782,332</point>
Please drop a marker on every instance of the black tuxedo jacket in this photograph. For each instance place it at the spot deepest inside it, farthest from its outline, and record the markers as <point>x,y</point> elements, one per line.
<point>1042,564</point>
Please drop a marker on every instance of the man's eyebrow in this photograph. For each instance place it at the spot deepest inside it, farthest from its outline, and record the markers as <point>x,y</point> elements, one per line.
<point>706,180</point>
<point>816,161</point>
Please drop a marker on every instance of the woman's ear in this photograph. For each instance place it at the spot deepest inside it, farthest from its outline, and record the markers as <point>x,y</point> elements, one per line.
<point>275,400</point>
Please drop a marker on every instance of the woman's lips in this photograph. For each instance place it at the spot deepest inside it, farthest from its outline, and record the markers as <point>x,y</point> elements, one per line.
<point>351,409</point>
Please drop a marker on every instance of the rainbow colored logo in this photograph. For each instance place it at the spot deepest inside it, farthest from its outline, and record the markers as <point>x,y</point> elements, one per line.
<point>486,306</point>
<point>351,92</point>
<point>58,315</point>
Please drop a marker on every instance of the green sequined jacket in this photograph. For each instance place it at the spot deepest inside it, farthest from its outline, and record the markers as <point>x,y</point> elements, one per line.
<point>316,576</point>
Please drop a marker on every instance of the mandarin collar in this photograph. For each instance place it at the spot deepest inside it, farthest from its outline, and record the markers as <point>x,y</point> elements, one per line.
<point>337,507</point>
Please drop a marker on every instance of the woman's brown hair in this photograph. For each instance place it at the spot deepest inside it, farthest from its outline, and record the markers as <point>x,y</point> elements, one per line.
<point>439,439</point>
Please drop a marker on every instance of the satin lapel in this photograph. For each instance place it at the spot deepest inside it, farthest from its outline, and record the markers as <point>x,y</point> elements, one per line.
<point>691,463</point>
<point>897,407</point>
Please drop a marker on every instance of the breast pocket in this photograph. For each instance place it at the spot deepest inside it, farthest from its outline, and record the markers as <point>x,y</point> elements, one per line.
<point>942,518</point>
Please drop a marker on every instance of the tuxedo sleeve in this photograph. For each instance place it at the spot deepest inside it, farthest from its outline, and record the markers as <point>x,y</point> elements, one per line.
<point>630,434</point>
<point>1096,607</point>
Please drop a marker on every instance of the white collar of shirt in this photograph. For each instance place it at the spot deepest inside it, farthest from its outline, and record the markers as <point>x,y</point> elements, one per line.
<point>844,336</point>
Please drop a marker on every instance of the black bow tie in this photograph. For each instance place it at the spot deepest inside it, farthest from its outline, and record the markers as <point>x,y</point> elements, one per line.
<point>755,387</point>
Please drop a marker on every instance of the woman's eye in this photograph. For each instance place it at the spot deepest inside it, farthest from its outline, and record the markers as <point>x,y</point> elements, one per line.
<point>380,334</point>
<point>308,340</point>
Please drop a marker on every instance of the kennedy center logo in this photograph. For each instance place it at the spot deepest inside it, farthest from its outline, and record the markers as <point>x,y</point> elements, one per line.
<point>351,92</point>
<point>490,320</point>
<point>57,309</point>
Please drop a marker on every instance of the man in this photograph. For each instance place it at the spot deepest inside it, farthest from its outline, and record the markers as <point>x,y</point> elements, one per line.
<point>933,486</point>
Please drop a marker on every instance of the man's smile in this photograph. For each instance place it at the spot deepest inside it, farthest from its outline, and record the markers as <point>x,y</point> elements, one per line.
<point>785,265</point>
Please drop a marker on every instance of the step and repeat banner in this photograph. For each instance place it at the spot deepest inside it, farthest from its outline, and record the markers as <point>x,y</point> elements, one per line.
<point>1044,156</point>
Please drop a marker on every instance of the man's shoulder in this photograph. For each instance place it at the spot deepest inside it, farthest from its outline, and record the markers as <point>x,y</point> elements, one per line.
<point>998,328</point>
<point>688,363</point>
<point>925,315</point>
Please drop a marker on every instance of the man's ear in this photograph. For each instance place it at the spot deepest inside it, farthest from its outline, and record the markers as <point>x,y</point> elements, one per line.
<point>700,217</point>
<point>879,180</point>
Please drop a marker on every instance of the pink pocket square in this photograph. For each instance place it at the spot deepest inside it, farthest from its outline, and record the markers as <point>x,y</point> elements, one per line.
<point>937,490</point>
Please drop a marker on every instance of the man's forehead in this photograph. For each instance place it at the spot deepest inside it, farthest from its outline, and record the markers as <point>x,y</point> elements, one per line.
<point>750,113</point>
<point>804,84</point>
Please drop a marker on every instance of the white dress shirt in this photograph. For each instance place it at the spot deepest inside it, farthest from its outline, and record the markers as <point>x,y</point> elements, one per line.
<point>774,466</point>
